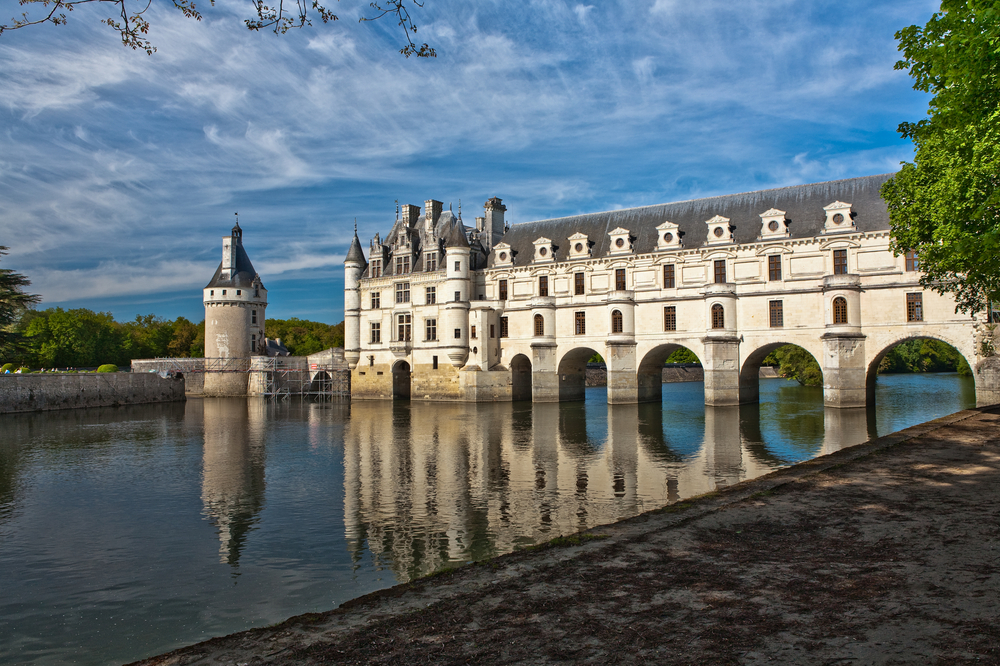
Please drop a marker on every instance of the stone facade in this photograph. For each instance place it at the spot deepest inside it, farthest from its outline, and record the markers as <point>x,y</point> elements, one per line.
<point>731,278</point>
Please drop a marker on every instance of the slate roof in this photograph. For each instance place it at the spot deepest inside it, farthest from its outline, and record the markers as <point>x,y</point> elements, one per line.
<point>803,206</point>
<point>355,253</point>
<point>242,277</point>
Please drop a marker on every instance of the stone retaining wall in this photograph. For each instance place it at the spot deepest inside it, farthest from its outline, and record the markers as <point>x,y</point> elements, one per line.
<point>32,393</point>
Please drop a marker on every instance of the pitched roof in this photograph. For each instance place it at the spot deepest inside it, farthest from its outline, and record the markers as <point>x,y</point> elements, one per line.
<point>355,253</point>
<point>803,206</point>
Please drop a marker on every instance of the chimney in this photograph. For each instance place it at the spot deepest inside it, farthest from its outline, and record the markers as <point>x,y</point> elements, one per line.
<point>480,223</point>
<point>228,254</point>
<point>410,214</point>
<point>432,211</point>
<point>494,222</point>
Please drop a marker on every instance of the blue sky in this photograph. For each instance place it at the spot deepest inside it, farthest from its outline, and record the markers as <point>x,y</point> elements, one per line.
<point>120,172</point>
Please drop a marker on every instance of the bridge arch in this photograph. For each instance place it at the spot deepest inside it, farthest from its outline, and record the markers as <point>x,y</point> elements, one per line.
<point>571,371</point>
<point>750,368</point>
<point>871,373</point>
<point>650,370</point>
<point>520,378</point>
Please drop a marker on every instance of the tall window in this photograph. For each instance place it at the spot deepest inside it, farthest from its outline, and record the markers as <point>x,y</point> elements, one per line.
<point>472,332</point>
<point>774,267</point>
<point>253,317</point>
<point>503,290</point>
<point>914,307</point>
<point>543,285</point>
<point>376,300</point>
<point>776,314</point>
<point>718,316</point>
<point>539,325</point>
<point>670,318</point>
<point>668,277</point>
<point>402,265</point>
<point>375,336</point>
<point>458,334</point>
<point>402,292</point>
<point>912,262</point>
<point>581,323</point>
<point>720,271</point>
<point>458,266</point>
<point>504,330</point>
<point>840,262</point>
<point>253,343</point>
<point>458,296</point>
<point>375,268</point>
<point>431,329</point>
<point>840,310</point>
<point>431,294</point>
<point>431,261</point>
<point>620,279</point>
<point>578,283</point>
<point>403,323</point>
<point>616,321</point>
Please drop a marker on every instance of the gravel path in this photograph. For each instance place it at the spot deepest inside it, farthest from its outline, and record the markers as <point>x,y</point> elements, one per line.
<point>884,553</point>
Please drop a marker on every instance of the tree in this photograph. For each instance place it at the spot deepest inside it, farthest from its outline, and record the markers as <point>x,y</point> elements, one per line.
<point>796,363</point>
<point>945,205</point>
<point>302,337</point>
<point>132,26</point>
<point>13,302</point>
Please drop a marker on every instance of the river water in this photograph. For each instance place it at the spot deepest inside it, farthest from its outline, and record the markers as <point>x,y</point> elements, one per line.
<point>126,532</point>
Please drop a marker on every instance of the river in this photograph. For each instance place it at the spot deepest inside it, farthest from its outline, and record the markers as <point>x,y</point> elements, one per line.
<point>126,532</point>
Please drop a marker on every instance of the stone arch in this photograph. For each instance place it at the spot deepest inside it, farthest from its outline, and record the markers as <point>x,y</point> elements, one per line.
<point>520,378</point>
<point>321,382</point>
<point>572,373</point>
<point>750,369</point>
<point>650,371</point>
<point>400,380</point>
<point>871,373</point>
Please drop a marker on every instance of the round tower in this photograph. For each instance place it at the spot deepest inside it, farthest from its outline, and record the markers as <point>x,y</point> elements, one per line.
<point>354,266</point>
<point>455,337</point>
<point>235,301</point>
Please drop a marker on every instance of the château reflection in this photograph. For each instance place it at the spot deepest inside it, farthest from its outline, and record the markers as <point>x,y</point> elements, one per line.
<point>428,484</point>
<point>233,464</point>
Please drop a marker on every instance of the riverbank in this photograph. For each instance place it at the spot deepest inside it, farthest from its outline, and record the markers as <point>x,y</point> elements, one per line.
<point>881,553</point>
<point>72,390</point>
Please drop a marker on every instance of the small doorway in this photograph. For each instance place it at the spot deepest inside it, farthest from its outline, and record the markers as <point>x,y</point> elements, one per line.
<point>520,378</point>
<point>401,381</point>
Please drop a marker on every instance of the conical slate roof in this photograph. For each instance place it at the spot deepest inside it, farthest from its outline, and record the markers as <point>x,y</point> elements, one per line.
<point>456,235</point>
<point>355,253</point>
<point>242,277</point>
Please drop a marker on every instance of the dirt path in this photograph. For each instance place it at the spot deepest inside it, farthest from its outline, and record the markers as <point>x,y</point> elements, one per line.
<point>885,553</point>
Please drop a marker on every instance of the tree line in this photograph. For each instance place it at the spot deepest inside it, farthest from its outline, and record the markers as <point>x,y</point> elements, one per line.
<point>82,338</point>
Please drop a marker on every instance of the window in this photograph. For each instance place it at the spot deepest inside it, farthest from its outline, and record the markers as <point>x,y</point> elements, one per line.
<point>458,296</point>
<point>472,332</point>
<point>504,331</point>
<point>503,290</point>
<point>376,300</point>
<point>253,343</point>
<point>912,262</point>
<point>774,267</point>
<point>668,277</point>
<point>776,314</point>
<point>493,331</point>
<point>253,317</point>
<point>670,318</point>
<point>914,307</point>
<point>539,325</point>
<point>211,293</point>
<point>375,268</point>
<point>223,292</point>
<point>616,321</point>
<point>434,360</point>
<point>458,266</point>
<point>543,285</point>
<point>840,262</point>
<point>578,283</point>
<point>430,295</point>
<point>458,334</point>
<point>581,323</point>
<point>256,292</point>
<point>718,316</point>
<point>430,329</point>
<point>620,279</point>
<point>403,330</point>
<point>430,261</point>
<point>402,292</point>
<point>840,310</point>
<point>402,265</point>
<point>376,333</point>
<point>720,271</point>
<point>239,292</point>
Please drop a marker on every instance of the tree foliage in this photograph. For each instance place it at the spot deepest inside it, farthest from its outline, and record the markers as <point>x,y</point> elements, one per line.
<point>796,363</point>
<point>302,337</point>
<point>945,205</point>
<point>280,16</point>
<point>924,355</point>
<point>13,301</point>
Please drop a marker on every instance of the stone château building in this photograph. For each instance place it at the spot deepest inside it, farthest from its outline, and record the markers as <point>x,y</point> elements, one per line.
<point>441,311</point>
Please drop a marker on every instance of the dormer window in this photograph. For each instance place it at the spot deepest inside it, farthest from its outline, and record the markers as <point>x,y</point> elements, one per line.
<point>668,236</point>
<point>773,224</point>
<point>503,255</point>
<point>579,246</point>
<point>375,268</point>
<point>838,218</point>
<point>544,250</point>
<point>719,230</point>
<point>621,242</point>
<point>402,265</point>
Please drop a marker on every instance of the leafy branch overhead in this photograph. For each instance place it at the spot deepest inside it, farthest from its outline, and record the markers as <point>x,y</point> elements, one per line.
<point>281,16</point>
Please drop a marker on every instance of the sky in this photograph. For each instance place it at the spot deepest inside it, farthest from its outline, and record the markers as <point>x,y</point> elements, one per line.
<point>120,172</point>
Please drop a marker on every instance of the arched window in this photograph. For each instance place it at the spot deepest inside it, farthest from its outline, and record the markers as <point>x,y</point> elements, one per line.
<point>539,325</point>
<point>718,316</point>
<point>840,310</point>
<point>616,321</point>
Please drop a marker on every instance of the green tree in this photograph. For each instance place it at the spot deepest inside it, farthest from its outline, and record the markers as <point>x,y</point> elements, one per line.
<point>13,303</point>
<point>683,355</point>
<point>183,337</point>
<point>796,363</point>
<point>945,205</point>
<point>75,338</point>
<point>303,337</point>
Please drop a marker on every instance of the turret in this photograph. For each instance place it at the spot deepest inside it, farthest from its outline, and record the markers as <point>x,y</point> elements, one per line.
<point>354,266</point>
<point>457,292</point>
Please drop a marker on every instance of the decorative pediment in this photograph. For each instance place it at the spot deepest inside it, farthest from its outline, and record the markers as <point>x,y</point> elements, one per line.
<point>719,231</point>
<point>502,255</point>
<point>621,242</point>
<point>668,236</point>
<point>544,250</point>
<point>579,246</point>
<point>838,218</point>
<point>773,224</point>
